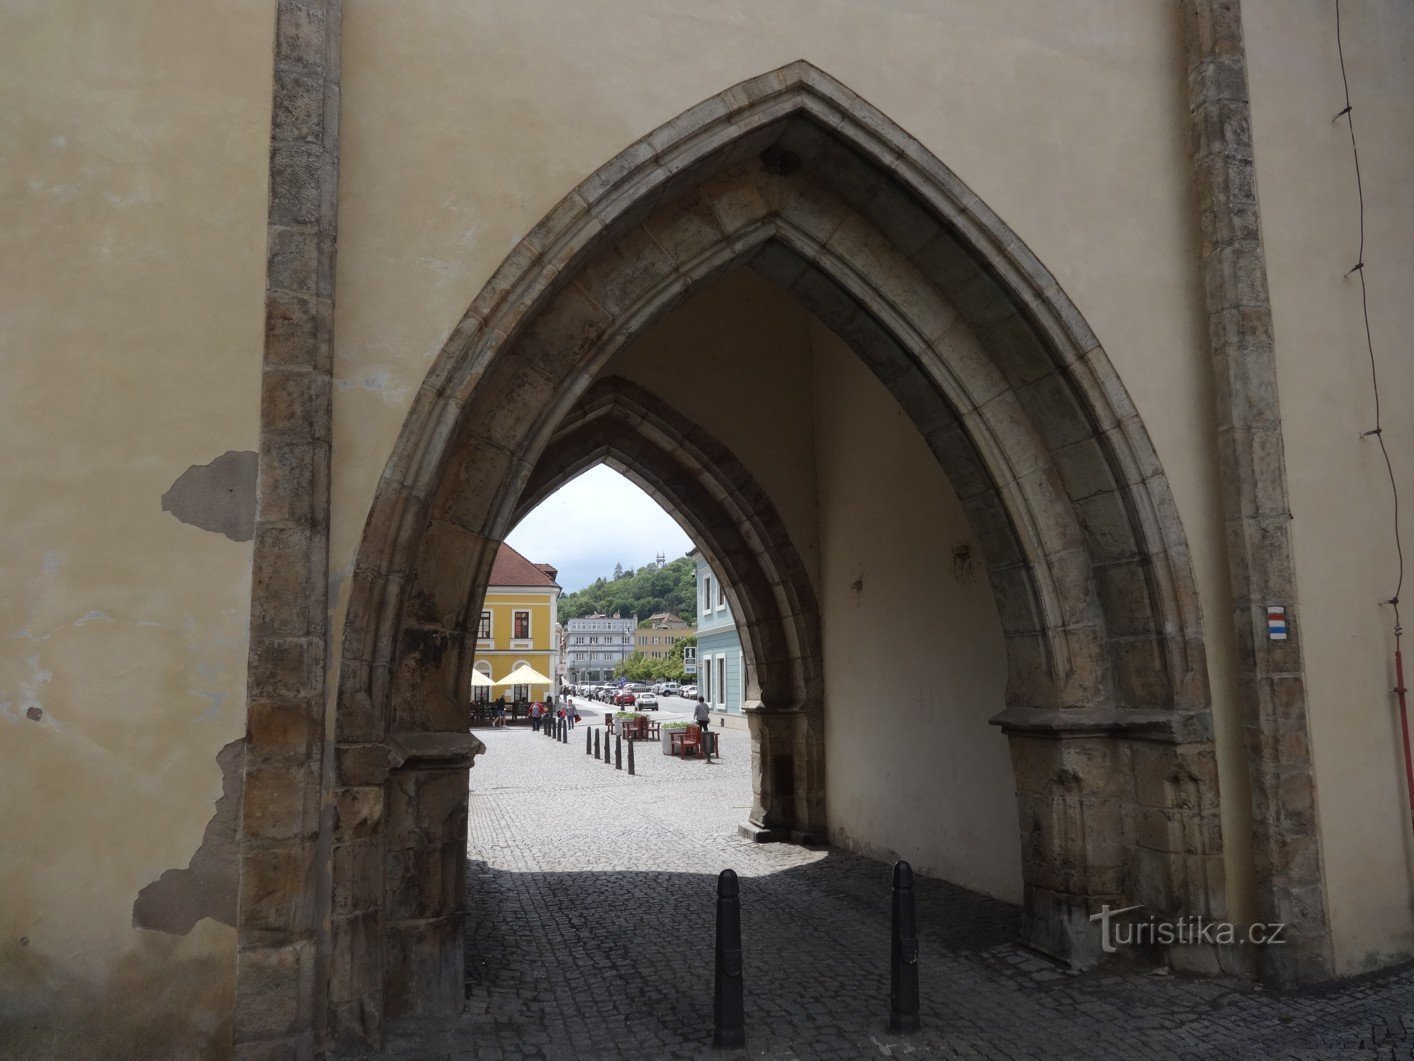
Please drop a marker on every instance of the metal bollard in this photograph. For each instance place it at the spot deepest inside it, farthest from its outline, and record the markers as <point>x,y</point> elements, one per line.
<point>608,746</point>
<point>586,740</point>
<point>903,981</point>
<point>630,757</point>
<point>596,744</point>
<point>565,731</point>
<point>707,743</point>
<point>728,1015</point>
<point>618,751</point>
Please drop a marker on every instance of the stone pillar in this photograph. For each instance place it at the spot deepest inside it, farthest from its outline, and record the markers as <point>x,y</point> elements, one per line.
<point>787,769</point>
<point>1272,692</point>
<point>1070,802</point>
<point>279,965</point>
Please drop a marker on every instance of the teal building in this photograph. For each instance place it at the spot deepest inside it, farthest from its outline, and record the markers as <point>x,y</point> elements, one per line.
<point>720,664</point>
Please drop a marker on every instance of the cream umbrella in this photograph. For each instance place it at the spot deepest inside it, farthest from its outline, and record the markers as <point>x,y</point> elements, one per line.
<point>479,678</point>
<point>525,674</point>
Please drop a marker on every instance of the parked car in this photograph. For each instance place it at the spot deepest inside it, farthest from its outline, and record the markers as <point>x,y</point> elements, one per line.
<point>648,700</point>
<point>671,689</point>
<point>689,691</point>
<point>625,698</point>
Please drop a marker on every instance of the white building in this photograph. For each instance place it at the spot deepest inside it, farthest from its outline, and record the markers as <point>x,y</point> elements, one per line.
<point>595,645</point>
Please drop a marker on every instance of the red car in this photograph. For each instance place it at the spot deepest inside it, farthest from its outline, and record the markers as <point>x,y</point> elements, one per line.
<point>625,699</point>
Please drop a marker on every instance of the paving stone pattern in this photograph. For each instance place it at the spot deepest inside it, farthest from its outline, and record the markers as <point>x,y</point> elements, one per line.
<point>591,897</point>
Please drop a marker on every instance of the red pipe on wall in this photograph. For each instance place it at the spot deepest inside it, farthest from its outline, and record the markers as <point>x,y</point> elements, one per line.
<point>1404,728</point>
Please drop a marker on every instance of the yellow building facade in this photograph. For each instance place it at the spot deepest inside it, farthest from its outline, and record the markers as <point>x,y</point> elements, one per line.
<point>518,626</point>
<point>656,640</point>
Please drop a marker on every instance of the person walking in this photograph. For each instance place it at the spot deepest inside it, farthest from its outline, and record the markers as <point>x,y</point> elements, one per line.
<point>500,720</point>
<point>535,710</point>
<point>702,715</point>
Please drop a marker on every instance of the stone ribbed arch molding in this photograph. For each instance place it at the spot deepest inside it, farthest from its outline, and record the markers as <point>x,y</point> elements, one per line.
<point>732,520</point>
<point>794,175</point>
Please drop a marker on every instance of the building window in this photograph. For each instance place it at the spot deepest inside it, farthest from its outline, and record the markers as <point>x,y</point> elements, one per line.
<point>706,691</point>
<point>483,632</point>
<point>722,680</point>
<point>522,625</point>
<point>721,597</point>
<point>706,594</point>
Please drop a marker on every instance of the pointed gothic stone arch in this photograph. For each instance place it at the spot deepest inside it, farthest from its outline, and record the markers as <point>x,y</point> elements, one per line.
<point>801,179</point>
<point>733,521</point>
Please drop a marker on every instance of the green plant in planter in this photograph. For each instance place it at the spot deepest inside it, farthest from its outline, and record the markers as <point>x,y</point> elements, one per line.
<point>628,714</point>
<point>678,725</point>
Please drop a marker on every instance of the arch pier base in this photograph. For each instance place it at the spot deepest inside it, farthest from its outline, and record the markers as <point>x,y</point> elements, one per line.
<point>788,797</point>
<point>1118,819</point>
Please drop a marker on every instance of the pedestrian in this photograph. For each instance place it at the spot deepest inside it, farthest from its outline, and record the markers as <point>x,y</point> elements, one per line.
<point>500,719</point>
<point>702,715</point>
<point>570,712</point>
<point>535,710</point>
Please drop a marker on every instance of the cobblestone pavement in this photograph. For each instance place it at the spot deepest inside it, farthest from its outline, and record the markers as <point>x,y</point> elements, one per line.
<point>591,935</point>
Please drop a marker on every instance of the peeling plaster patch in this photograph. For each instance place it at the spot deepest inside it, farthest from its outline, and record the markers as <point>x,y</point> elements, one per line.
<point>93,617</point>
<point>219,496</point>
<point>180,898</point>
<point>34,714</point>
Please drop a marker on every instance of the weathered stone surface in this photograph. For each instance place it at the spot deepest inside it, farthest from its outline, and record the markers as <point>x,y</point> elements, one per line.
<point>1254,498</point>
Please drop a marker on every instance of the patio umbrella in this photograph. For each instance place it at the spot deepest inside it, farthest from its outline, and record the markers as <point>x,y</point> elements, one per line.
<point>478,678</point>
<point>525,674</point>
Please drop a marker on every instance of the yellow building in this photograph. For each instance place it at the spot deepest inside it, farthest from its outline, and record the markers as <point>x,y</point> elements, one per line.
<point>661,632</point>
<point>518,625</point>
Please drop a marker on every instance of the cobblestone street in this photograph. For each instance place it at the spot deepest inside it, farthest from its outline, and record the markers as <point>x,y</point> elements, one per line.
<point>591,896</point>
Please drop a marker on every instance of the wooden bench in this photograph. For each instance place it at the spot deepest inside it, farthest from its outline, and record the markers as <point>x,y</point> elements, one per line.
<point>682,739</point>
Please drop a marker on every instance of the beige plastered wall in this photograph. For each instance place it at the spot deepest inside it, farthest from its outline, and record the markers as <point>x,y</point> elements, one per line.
<point>915,665</point>
<point>465,123</point>
<point>133,150</point>
<point>1340,494</point>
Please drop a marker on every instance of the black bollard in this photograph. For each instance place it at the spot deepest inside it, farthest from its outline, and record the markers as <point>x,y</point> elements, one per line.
<point>607,746</point>
<point>707,743</point>
<point>728,1015</point>
<point>903,984</point>
<point>630,756</point>
<point>586,740</point>
<point>565,731</point>
<point>618,751</point>
<point>596,744</point>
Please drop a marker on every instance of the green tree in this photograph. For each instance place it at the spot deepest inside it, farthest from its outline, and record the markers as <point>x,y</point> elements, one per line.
<point>670,587</point>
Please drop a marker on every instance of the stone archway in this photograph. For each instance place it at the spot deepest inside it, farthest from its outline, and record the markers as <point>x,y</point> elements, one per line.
<point>732,520</point>
<point>791,173</point>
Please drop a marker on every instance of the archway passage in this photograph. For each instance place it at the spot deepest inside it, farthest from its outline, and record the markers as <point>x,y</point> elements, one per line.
<point>734,523</point>
<point>1106,704</point>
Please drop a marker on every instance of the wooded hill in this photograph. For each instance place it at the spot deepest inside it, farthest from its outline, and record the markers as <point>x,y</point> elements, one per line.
<point>670,587</point>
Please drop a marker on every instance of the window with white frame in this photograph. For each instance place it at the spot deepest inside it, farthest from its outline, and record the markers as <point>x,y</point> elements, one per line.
<point>522,626</point>
<point>483,631</point>
<point>706,691</point>
<point>721,681</point>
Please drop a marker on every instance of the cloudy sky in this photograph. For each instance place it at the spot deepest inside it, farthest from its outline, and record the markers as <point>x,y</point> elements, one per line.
<point>594,522</point>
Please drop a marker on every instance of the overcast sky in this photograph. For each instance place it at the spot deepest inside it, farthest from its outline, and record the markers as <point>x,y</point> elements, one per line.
<point>594,522</point>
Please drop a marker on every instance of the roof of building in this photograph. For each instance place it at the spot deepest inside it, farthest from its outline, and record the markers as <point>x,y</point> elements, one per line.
<point>512,569</point>
<point>666,620</point>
